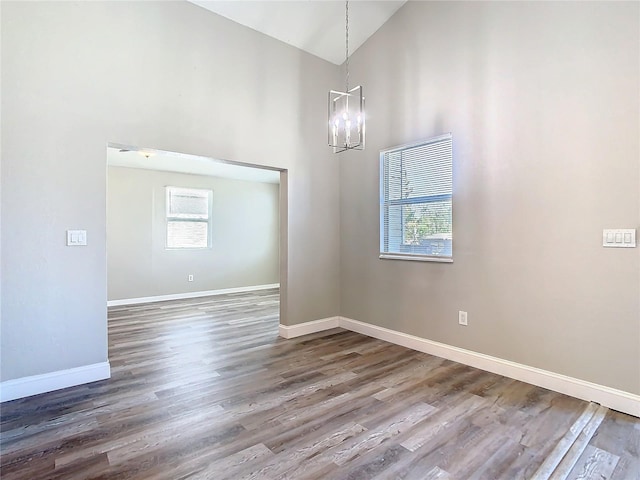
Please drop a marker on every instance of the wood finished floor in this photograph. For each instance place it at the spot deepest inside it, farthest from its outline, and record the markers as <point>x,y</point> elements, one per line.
<point>204,389</point>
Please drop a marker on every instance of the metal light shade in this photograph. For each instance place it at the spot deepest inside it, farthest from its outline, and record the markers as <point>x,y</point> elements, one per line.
<point>346,120</point>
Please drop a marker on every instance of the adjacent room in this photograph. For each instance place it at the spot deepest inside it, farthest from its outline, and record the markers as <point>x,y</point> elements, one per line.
<point>181,226</point>
<point>398,240</point>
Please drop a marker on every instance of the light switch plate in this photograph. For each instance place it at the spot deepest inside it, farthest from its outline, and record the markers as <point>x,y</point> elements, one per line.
<point>619,237</point>
<point>76,238</point>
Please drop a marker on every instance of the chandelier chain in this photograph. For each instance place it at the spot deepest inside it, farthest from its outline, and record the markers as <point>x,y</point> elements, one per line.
<point>347,41</point>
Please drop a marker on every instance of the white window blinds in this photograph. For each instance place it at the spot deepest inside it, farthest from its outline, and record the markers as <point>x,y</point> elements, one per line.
<point>188,217</point>
<point>415,200</point>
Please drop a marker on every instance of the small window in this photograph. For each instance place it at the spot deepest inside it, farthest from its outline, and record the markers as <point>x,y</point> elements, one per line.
<point>188,218</point>
<point>415,201</point>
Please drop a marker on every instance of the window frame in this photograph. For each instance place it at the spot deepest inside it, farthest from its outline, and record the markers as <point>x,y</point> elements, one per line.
<point>385,203</point>
<point>168,217</point>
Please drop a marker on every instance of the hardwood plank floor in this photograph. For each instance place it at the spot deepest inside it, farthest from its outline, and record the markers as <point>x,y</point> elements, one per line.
<point>205,389</point>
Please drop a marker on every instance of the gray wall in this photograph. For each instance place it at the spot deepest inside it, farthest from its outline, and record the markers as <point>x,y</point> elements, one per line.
<point>245,235</point>
<point>165,75</point>
<point>543,103</point>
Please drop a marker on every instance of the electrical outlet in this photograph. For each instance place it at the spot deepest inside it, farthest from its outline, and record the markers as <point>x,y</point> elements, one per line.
<point>191,278</point>
<point>462,318</point>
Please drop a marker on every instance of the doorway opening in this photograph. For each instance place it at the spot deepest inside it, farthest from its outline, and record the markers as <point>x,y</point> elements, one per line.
<point>182,226</point>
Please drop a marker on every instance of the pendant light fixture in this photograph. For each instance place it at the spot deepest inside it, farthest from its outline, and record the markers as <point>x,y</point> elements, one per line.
<point>346,110</point>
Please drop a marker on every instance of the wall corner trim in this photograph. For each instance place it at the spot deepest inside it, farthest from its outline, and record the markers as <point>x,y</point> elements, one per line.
<point>181,296</point>
<point>308,327</point>
<point>609,397</point>
<point>48,382</point>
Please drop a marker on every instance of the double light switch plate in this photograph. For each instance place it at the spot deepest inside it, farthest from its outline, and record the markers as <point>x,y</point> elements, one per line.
<point>76,238</point>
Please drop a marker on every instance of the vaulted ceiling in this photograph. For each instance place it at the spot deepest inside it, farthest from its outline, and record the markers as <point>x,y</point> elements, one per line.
<point>317,27</point>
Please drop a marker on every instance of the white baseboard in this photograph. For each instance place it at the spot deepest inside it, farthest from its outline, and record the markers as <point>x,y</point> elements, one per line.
<point>609,397</point>
<point>48,382</point>
<point>308,327</point>
<point>180,296</point>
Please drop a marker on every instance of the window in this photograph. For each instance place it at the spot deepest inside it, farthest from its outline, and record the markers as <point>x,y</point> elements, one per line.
<point>188,218</point>
<point>415,201</point>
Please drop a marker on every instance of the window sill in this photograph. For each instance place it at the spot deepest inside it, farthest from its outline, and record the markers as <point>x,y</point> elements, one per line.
<point>415,258</point>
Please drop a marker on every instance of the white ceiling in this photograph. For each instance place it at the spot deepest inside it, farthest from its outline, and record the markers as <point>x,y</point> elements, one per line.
<point>191,164</point>
<point>317,27</point>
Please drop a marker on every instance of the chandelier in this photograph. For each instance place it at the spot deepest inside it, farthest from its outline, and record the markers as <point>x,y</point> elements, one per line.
<point>346,110</point>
